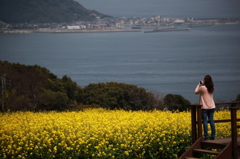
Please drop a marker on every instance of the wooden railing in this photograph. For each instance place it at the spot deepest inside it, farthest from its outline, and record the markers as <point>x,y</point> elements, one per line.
<point>196,113</point>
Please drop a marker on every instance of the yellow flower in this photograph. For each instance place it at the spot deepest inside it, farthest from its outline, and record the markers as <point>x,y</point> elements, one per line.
<point>126,153</point>
<point>55,149</point>
<point>98,132</point>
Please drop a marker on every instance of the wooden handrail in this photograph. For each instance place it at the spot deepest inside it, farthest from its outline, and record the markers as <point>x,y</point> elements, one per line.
<point>196,115</point>
<point>222,121</point>
<point>227,103</point>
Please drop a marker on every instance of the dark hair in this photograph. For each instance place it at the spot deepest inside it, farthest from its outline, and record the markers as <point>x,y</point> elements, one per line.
<point>209,83</point>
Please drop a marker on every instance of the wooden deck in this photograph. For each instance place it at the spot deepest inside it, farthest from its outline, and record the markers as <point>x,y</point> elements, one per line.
<point>226,147</point>
<point>223,141</point>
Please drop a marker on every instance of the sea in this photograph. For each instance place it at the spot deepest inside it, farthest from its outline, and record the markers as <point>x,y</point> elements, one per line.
<point>162,62</point>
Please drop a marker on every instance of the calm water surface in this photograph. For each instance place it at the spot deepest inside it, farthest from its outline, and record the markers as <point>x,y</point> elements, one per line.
<point>166,62</point>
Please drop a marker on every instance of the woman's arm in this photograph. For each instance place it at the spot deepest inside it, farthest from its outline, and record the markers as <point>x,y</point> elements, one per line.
<point>198,89</point>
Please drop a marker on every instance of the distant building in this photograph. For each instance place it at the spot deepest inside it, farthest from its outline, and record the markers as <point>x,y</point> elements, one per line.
<point>73,27</point>
<point>179,21</point>
<point>83,26</point>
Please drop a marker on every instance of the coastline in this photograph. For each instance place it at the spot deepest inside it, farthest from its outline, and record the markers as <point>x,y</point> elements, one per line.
<point>68,31</point>
<point>94,31</point>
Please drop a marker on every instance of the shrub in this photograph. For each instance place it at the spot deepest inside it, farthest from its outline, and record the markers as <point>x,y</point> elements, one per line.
<point>113,95</point>
<point>176,102</point>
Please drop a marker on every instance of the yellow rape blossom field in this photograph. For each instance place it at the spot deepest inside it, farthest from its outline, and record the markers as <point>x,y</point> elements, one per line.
<point>99,133</point>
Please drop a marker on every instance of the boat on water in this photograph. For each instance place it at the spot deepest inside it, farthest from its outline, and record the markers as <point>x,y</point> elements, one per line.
<point>167,29</point>
<point>199,25</point>
<point>136,27</point>
<point>163,28</point>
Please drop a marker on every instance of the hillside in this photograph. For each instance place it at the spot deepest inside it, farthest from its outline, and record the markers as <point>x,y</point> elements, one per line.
<point>44,11</point>
<point>34,88</point>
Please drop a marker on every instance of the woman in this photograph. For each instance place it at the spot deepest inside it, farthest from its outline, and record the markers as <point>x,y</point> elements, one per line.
<point>205,89</point>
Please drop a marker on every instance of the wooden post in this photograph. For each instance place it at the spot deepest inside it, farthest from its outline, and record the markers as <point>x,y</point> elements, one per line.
<point>234,130</point>
<point>199,113</point>
<point>194,119</point>
<point>3,82</point>
<point>196,115</point>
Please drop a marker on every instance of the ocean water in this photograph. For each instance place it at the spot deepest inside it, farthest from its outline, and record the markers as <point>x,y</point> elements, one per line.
<point>165,62</point>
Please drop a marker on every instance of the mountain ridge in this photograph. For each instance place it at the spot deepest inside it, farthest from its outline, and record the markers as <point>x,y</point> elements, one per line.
<point>45,11</point>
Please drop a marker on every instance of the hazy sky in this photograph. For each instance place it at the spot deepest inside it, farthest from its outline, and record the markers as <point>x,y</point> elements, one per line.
<point>166,8</point>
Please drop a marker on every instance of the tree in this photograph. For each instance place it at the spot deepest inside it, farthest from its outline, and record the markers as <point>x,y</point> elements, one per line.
<point>238,97</point>
<point>113,95</point>
<point>69,87</point>
<point>36,88</point>
<point>105,95</point>
<point>23,84</point>
<point>27,85</point>
<point>50,100</point>
<point>175,101</point>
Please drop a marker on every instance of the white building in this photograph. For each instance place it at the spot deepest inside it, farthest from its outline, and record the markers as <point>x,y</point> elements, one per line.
<point>73,27</point>
<point>179,21</point>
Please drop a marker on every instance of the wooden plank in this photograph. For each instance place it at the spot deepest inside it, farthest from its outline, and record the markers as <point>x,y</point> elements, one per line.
<point>223,141</point>
<point>206,151</point>
<point>189,152</point>
<point>226,152</point>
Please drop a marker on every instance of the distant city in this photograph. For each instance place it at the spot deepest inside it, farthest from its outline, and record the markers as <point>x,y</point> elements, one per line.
<point>122,24</point>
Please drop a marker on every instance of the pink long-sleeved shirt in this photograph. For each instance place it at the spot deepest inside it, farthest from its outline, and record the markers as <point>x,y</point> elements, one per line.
<point>206,99</point>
